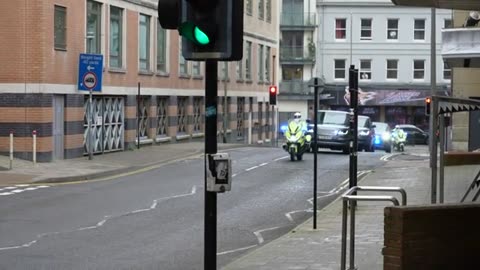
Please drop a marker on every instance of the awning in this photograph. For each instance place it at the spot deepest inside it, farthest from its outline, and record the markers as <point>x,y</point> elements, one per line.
<point>446,4</point>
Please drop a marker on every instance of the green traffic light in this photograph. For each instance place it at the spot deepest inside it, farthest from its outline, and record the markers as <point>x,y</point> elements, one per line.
<point>200,36</point>
<point>193,33</point>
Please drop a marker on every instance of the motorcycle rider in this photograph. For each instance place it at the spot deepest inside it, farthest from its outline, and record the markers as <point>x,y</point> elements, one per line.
<point>297,141</point>
<point>398,136</point>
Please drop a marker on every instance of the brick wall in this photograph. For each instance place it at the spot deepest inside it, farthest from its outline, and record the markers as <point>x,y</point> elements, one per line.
<point>432,237</point>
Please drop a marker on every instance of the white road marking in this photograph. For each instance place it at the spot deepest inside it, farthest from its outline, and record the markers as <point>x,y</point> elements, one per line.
<point>100,223</point>
<point>251,168</point>
<point>43,186</point>
<point>5,193</point>
<point>22,185</point>
<point>31,188</point>
<point>277,159</point>
<point>263,164</point>
<point>233,175</point>
<point>259,236</point>
<point>289,214</point>
<point>18,190</point>
<point>10,187</point>
<point>235,250</point>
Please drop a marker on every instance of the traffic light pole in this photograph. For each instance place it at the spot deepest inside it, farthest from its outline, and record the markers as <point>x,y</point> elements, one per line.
<point>353,88</point>
<point>210,229</point>
<point>315,150</point>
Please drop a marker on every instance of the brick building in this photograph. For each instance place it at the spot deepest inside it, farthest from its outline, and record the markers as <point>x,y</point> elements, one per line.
<point>41,41</point>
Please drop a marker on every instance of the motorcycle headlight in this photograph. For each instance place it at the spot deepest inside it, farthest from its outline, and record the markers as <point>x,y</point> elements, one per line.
<point>386,136</point>
<point>293,138</point>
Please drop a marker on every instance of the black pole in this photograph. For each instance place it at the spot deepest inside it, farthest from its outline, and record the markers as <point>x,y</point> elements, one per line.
<point>138,117</point>
<point>355,126</point>
<point>351,125</point>
<point>315,151</point>
<point>210,236</point>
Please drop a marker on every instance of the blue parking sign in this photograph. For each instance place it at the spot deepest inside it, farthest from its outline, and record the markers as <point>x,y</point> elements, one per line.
<point>90,71</point>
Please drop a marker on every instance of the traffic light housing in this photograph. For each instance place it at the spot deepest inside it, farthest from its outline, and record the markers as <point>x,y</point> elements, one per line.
<point>428,102</point>
<point>210,29</point>
<point>273,92</point>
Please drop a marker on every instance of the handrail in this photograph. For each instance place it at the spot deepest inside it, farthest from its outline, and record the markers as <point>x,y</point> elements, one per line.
<point>375,188</point>
<point>349,197</point>
<point>475,182</point>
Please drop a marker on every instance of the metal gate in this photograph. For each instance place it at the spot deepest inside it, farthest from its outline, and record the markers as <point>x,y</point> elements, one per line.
<point>107,118</point>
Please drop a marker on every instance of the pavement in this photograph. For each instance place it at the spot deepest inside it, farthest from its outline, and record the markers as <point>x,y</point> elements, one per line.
<point>102,165</point>
<point>304,248</point>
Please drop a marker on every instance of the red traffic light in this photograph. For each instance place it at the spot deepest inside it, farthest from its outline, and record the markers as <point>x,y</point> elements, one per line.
<point>273,89</point>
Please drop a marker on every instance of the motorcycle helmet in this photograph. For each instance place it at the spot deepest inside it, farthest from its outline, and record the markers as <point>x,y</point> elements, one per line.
<point>297,116</point>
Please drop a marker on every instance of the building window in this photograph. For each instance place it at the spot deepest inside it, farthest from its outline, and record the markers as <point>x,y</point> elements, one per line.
<point>222,71</point>
<point>292,73</point>
<point>340,68</point>
<point>116,37</point>
<point>366,29</point>
<point>249,7</point>
<point>260,58</point>
<point>340,28</point>
<point>239,70</point>
<point>144,43</point>
<point>183,64</point>
<point>248,61</point>
<point>268,7</point>
<point>392,69</point>
<point>267,64</point>
<point>162,116</point>
<point>447,72</point>
<point>261,10</point>
<point>196,69</point>
<point>60,28</point>
<point>418,69</point>
<point>197,114</point>
<point>161,49</point>
<point>447,23</point>
<point>94,27</point>
<point>392,29</point>
<point>419,29</point>
<point>182,115</point>
<point>365,69</point>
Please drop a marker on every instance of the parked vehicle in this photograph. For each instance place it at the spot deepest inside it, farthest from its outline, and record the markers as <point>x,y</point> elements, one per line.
<point>366,134</point>
<point>297,140</point>
<point>414,134</point>
<point>382,136</point>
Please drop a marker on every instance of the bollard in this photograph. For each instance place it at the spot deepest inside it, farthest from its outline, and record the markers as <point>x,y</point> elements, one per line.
<point>11,149</point>
<point>34,133</point>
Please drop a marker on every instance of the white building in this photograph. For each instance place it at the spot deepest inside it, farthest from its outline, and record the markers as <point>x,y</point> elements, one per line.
<point>390,46</point>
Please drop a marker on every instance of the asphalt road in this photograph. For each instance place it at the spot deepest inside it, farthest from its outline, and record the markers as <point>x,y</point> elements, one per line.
<point>154,219</point>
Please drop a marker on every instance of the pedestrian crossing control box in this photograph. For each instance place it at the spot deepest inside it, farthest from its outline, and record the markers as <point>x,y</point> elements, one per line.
<point>219,172</point>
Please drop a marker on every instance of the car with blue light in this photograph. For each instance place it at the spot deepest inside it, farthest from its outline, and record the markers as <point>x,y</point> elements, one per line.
<point>366,134</point>
<point>382,136</point>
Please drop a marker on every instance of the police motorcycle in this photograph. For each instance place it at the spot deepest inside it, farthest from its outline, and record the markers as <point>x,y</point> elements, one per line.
<point>399,139</point>
<point>297,142</point>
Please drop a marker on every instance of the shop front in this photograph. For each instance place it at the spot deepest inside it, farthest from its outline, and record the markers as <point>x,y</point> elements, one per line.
<point>393,106</point>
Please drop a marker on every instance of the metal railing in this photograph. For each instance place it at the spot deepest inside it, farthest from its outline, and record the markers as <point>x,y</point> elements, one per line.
<point>349,196</point>
<point>294,87</point>
<point>475,183</point>
<point>297,53</point>
<point>298,19</point>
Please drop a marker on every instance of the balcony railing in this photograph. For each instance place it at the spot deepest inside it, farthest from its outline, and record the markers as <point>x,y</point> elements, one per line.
<point>461,47</point>
<point>298,19</point>
<point>295,87</point>
<point>297,53</point>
